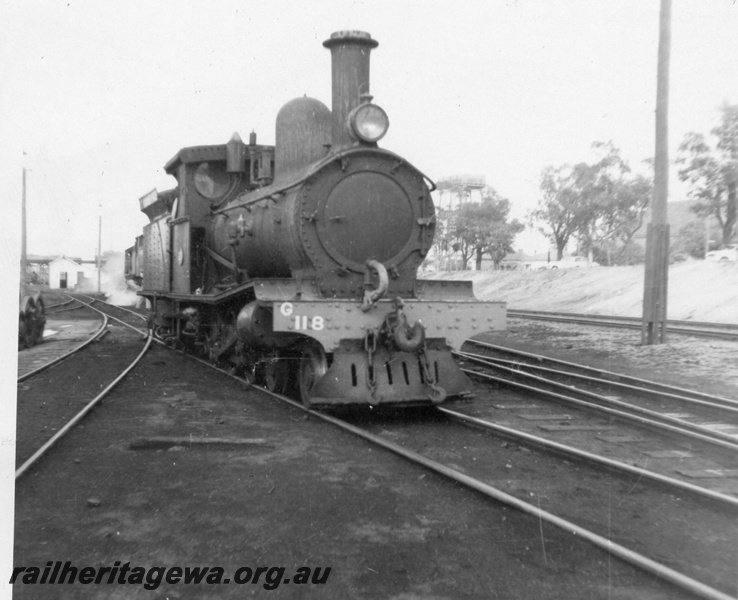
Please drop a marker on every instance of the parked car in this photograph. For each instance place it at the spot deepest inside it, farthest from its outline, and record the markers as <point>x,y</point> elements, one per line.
<point>569,262</point>
<point>678,257</point>
<point>730,252</point>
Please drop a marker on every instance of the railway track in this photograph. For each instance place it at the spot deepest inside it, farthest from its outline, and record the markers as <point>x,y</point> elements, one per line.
<point>43,385</point>
<point>712,418</point>
<point>69,304</point>
<point>709,470</point>
<point>63,339</point>
<point>458,463</point>
<point>125,315</point>
<point>524,493</point>
<point>183,467</point>
<point>633,423</point>
<point>724,331</point>
<point>685,577</point>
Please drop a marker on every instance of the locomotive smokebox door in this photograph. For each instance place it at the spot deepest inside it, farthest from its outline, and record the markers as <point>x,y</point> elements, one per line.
<point>356,224</point>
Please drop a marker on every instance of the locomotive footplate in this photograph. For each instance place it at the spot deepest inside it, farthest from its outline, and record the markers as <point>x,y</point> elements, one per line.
<point>395,352</point>
<point>330,321</point>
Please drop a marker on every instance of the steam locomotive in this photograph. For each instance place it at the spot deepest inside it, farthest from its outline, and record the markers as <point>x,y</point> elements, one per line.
<point>296,264</point>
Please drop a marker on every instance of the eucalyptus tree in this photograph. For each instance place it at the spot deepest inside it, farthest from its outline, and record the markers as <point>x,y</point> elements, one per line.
<point>479,228</point>
<point>601,204</point>
<point>712,171</point>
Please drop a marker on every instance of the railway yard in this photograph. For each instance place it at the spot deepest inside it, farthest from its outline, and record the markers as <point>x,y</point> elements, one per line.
<point>570,488</point>
<point>289,383</point>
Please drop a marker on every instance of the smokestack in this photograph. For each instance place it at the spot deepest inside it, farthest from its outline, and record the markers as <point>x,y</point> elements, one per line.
<point>350,52</point>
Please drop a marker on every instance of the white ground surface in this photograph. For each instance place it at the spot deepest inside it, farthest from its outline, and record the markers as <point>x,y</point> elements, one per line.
<point>698,291</point>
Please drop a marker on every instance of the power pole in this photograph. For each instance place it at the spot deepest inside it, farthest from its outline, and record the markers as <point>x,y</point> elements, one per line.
<point>99,258</point>
<point>23,258</point>
<point>656,280</point>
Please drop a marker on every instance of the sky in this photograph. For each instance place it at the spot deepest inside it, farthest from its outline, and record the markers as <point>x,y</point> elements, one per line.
<point>100,94</point>
<point>96,96</point>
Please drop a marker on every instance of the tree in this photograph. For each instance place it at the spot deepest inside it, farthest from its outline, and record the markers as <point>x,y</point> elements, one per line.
<point>482,228</point>
<point>690,239</point>
<point>443,240</point>
<point>713,172</point>
<point>446,243</point>
<point>613,204</point>
<point>601,204</point>
<point>558,209</point>
<point>500,241</point>
<point>618,214</point>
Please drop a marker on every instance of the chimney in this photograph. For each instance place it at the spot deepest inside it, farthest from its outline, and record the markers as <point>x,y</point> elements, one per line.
<point>350,52</point>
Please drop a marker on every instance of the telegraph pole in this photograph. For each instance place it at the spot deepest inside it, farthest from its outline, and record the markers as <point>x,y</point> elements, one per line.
<point>99,243</point>
<point>23,258</point>
<point>656,280</point>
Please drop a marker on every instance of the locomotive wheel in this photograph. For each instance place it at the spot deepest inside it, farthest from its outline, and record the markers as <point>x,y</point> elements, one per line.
<point>248,373</point>
<point>27,329</point>
<point>313,365</point>
<point>23,334</point>
<point>40,320</point>
<point>277,373</point>
<point>244,365</point>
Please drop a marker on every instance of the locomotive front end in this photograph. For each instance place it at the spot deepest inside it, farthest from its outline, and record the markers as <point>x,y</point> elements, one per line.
<point>366,220</point>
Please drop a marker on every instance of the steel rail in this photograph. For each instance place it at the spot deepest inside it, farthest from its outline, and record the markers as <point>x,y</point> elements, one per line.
<point>655,385</point>
<point>676,322</point>
<point>70,308</point>
<point>687,425</point>
<point>123,308</point>
<point>729,331</point>
<point>712,438</point>
<point>640,561</point>
<point>61,303</point>
<point>595,458</point>
<point>58,359</point>
<point>79,416</point>
<point>729,406</point>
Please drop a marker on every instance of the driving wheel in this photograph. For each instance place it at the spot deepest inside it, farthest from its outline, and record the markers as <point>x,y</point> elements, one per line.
<point>313,365</point>
<point>277,373</point>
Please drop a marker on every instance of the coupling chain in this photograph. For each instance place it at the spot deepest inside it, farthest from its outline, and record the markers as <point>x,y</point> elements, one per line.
<point>370,345</point>
<point>438,394</point>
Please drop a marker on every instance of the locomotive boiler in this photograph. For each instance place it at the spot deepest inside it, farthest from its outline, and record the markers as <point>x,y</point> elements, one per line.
<point>296,264</point>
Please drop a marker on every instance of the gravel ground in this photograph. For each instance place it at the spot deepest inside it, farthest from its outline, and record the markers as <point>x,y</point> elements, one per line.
<point>184,468</point>
<point>710,366</point>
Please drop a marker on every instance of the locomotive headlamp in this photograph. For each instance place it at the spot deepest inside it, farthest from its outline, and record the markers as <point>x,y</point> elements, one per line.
<point>369,122</point>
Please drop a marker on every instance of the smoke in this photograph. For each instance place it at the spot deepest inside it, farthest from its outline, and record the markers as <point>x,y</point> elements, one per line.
<point>123,298</point>
<point>119,291</point>
<point>113,282</point>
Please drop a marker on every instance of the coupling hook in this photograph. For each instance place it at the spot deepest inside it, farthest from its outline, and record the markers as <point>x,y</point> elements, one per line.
<point>371,296</point>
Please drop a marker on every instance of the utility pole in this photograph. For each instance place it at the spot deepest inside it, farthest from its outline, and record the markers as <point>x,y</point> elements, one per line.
<point>23,258</point>
<point>656,280</point>
<point>99,242</point>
